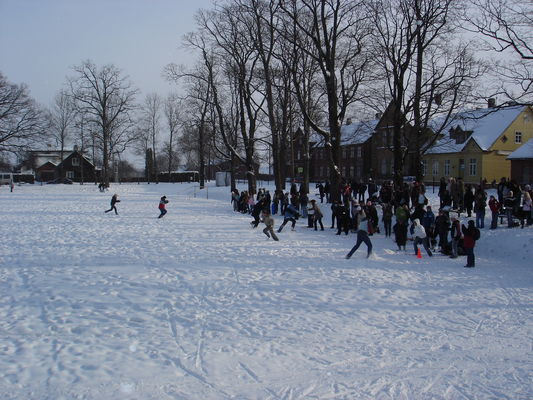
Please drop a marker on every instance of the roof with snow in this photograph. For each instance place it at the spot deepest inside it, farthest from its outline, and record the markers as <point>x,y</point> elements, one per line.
<point>354,133</point>
<point>523,152</point>
<point>486,126</point>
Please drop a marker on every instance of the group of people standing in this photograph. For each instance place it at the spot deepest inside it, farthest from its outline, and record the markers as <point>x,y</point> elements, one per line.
<point>357,211</point>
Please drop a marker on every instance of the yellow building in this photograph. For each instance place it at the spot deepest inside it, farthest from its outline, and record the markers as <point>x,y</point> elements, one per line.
<point>476,144</point>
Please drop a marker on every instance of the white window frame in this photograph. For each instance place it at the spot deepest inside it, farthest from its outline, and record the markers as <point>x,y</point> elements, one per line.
<point>472,167</point>
<point>435,168</point>
<point>424,167</point>
<point>75,161</point>
<point>518,137</point>
<point>446,167</point>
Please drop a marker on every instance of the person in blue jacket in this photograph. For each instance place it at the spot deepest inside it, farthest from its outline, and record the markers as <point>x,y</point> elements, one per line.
<point>291,214</point>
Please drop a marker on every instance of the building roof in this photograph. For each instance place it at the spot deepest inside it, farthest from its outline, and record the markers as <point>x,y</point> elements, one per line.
<point>486,126</point>
<point>354,133</point>
<point>523,152</point>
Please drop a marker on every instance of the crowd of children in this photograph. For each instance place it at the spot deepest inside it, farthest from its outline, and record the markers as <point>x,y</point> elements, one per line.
<point>405,212</point>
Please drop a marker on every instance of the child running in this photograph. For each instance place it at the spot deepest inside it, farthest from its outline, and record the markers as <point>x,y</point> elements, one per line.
<point>162,206</point>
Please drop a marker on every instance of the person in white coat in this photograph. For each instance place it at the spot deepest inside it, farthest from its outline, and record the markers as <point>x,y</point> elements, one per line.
<point>420,236</point>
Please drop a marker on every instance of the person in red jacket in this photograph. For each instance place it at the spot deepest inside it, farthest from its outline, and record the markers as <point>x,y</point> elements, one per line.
<point>470,235</point>
<point>162,206</point>
<point>494,206</point>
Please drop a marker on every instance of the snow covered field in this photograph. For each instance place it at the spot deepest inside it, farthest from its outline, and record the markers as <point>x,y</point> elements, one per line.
<point>199,306</point>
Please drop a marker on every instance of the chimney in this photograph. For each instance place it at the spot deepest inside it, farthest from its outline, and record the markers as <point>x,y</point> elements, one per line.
<point>491,102</point>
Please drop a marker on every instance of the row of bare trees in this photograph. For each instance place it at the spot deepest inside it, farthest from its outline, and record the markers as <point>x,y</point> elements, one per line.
<point>266,68</point>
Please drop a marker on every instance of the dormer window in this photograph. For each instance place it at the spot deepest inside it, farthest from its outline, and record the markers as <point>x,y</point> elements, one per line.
<point>504,139</point>
<point>518,137</point>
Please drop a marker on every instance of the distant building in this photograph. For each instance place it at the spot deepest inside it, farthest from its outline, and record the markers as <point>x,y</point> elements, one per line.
<point>478,143</point>
<point>366,151</point>
<point>522,163</point>
<point>46,165</point>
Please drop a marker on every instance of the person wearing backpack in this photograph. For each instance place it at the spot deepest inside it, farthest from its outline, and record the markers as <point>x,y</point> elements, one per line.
<point>470,235</point>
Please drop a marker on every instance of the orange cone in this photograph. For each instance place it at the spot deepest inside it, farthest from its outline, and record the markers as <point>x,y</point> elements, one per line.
<point>419,254</point>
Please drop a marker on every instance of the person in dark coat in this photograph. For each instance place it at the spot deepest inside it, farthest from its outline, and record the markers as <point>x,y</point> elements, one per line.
<point>291,214</point>
<point>508,205</point>
<point>362,237</point>
<point>469,200</point>
<point>372,218</point>
<point>334,210</point>
<point>343,219</point>
<point>494,206</point>
<point>387,219</point>
<point>470,236</point>
<point>321,192</point>
<point>256,212</point>
<point>114,201</point>
<point>442,227</point>
<point>400,234</point>
<point>362,190</point>
<point>456,236</point>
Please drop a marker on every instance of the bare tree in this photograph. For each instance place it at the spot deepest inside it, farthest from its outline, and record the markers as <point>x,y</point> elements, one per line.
<point>150,124</point>
<point>62,120</point>
<point>338,32</point>
<point>222,37</point>
<point>507,27</point>
<point>427,78</point>
<point>171,108</point>
<point>107,99</point>
<point>22,122</point>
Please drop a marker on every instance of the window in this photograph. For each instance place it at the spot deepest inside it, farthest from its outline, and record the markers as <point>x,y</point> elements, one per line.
<point>298,155</point>
<point>70,174</point>
<point>352,152</point>
<point>75,161</point>
<point>504,139</point>
<point>435,170</point>
<point>473,167</point>
<point>359,152</point>
<point>424,167</point>
<point>352,172</point>
<point>518,137</point>
<point>446,167</point>
<point>344,152</point>
<point>321,173</point>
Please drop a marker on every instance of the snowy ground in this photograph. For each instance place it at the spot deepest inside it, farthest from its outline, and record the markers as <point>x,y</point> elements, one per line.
<point>199,306</point>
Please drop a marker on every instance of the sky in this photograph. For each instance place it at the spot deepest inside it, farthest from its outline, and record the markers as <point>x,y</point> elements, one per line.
<point>40,40</point>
